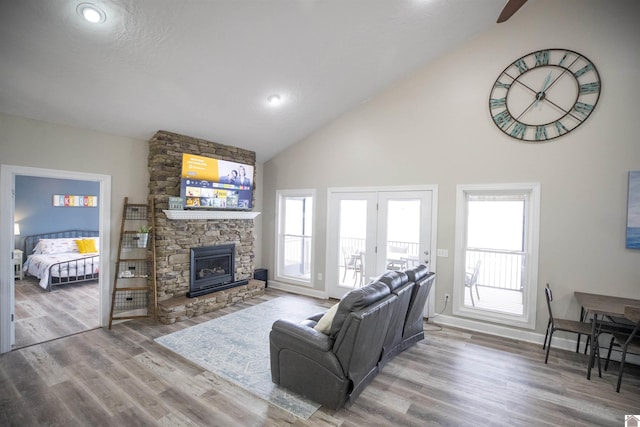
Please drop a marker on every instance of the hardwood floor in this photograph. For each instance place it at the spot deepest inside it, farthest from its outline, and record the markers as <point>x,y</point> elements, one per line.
<point>42,315</point>
<point>121,377</point>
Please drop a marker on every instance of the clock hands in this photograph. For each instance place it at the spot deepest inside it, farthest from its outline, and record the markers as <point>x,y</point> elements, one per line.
<point>541,95</point>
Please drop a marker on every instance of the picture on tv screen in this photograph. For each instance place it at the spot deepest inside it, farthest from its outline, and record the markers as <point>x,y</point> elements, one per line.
<point>213,183</point>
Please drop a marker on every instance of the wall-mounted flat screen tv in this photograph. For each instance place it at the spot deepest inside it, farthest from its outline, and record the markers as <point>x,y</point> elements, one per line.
<point>214,183</point>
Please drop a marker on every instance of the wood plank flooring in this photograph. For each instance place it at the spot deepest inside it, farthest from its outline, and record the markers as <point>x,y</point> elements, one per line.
<point>121,377</point>
<point>42,316</point>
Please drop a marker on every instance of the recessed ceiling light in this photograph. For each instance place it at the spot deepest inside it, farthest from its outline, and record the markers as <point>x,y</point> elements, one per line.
<point>274,99</point>
<point>91,13</point>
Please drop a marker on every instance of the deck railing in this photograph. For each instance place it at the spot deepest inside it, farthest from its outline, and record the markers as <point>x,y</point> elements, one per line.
<point>297,255</point>
<point>353,243</point>
<point>500,269</point>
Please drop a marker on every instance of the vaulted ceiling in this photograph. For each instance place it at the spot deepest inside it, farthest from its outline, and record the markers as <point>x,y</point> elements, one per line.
<point>206,68</point>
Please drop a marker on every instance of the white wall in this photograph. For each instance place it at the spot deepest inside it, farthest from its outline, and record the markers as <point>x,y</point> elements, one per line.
<point>435,128</point>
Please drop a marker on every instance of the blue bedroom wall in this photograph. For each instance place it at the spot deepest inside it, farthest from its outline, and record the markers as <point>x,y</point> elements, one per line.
<point>35,213</point>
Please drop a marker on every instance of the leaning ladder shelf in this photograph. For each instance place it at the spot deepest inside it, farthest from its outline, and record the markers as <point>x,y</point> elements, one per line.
<point>134,283</point>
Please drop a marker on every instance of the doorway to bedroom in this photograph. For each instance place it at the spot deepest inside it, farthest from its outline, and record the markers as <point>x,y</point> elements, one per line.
<point>88,308</point>
<point>57,290</point>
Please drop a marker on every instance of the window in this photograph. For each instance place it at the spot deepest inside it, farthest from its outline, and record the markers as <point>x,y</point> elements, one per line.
<point>496,263</point>
<point>295,236</point>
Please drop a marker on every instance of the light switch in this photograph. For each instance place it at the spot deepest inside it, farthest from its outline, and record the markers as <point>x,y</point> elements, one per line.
<point>444,253</point>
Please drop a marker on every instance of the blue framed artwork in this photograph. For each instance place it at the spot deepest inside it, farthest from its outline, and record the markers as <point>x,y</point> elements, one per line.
<point>633,211</point>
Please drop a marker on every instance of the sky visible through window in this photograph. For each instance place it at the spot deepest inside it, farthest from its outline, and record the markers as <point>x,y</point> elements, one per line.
<point>298,216</point>
<point>403,223</point>
<point>496,225</point>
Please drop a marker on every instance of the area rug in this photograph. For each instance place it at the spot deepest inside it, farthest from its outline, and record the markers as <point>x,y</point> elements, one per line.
<point>236,347</point>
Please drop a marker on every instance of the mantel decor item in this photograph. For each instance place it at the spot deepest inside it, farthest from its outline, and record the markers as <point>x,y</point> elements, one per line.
<point>633,211</point>
<point>544,95</point>
<point>176,203</point>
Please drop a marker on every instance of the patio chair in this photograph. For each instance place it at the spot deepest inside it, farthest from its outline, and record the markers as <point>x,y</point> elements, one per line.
<point>471,280</point>
<point>629,342</point>
<point>395,255</point>
<point>566,325</point>
<point>352,261</point>
<point>409,261</point>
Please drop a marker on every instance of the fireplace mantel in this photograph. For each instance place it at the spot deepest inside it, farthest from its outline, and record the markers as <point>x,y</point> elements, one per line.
<point>186,215</point>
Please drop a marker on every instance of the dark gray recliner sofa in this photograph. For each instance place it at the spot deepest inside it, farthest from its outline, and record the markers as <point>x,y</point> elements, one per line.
<point>332,369</point>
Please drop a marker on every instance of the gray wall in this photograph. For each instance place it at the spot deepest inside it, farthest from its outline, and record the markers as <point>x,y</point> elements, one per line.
<point>38,144</point>
<point>434,127</point>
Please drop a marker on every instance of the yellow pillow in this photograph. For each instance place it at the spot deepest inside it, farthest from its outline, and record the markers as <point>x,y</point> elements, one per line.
<point>86,246</point>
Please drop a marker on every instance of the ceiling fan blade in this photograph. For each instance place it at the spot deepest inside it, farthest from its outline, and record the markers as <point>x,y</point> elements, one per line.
<point>510,8</point>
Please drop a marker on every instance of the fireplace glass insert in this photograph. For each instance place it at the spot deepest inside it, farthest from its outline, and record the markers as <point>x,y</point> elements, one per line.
<point>212,269</point>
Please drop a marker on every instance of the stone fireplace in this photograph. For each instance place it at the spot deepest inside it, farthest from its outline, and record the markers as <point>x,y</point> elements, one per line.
<point>175,238</point>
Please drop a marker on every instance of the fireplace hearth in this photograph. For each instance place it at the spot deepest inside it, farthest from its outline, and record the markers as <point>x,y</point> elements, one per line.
<point>212,269</point>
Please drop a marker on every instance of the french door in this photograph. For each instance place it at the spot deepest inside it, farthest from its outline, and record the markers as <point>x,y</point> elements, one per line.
<point>371,231</point>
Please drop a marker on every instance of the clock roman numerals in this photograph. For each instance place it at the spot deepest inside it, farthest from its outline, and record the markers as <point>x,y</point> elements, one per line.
<point>521,65</point>
<point>583,70</point>
<point>541,133</point>
<point>503,119</point>
<point>542,58</point>
<point>564,58</point>
<point>518,130</point>
<point>498,103</point>
<point>593,87</point>
<point>560,128</point>
<point>584,109</point>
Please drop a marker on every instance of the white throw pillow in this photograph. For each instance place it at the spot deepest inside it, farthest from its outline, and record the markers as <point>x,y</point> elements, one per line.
<point>324,324</point>
<point>57,246</point>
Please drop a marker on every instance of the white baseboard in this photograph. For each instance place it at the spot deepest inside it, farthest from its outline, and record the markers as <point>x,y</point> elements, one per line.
<point>560,340</point>
<point>491,329</point>
<point>298,290</point>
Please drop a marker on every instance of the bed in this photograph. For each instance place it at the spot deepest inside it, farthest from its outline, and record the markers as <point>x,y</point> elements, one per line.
<point>62,257</point>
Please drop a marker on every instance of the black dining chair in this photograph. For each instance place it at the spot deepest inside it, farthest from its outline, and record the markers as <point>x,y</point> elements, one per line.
<point>566,325</point>
<point>629,342</point>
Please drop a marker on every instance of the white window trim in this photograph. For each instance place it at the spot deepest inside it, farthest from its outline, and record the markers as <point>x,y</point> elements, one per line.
<point>528,319</point>
<point>280,195</point>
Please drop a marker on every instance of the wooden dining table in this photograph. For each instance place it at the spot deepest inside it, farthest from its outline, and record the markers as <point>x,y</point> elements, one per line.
<point>600,306</point>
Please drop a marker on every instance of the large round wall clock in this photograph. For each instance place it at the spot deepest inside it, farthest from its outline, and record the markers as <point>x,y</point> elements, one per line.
<point>544,95</point>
